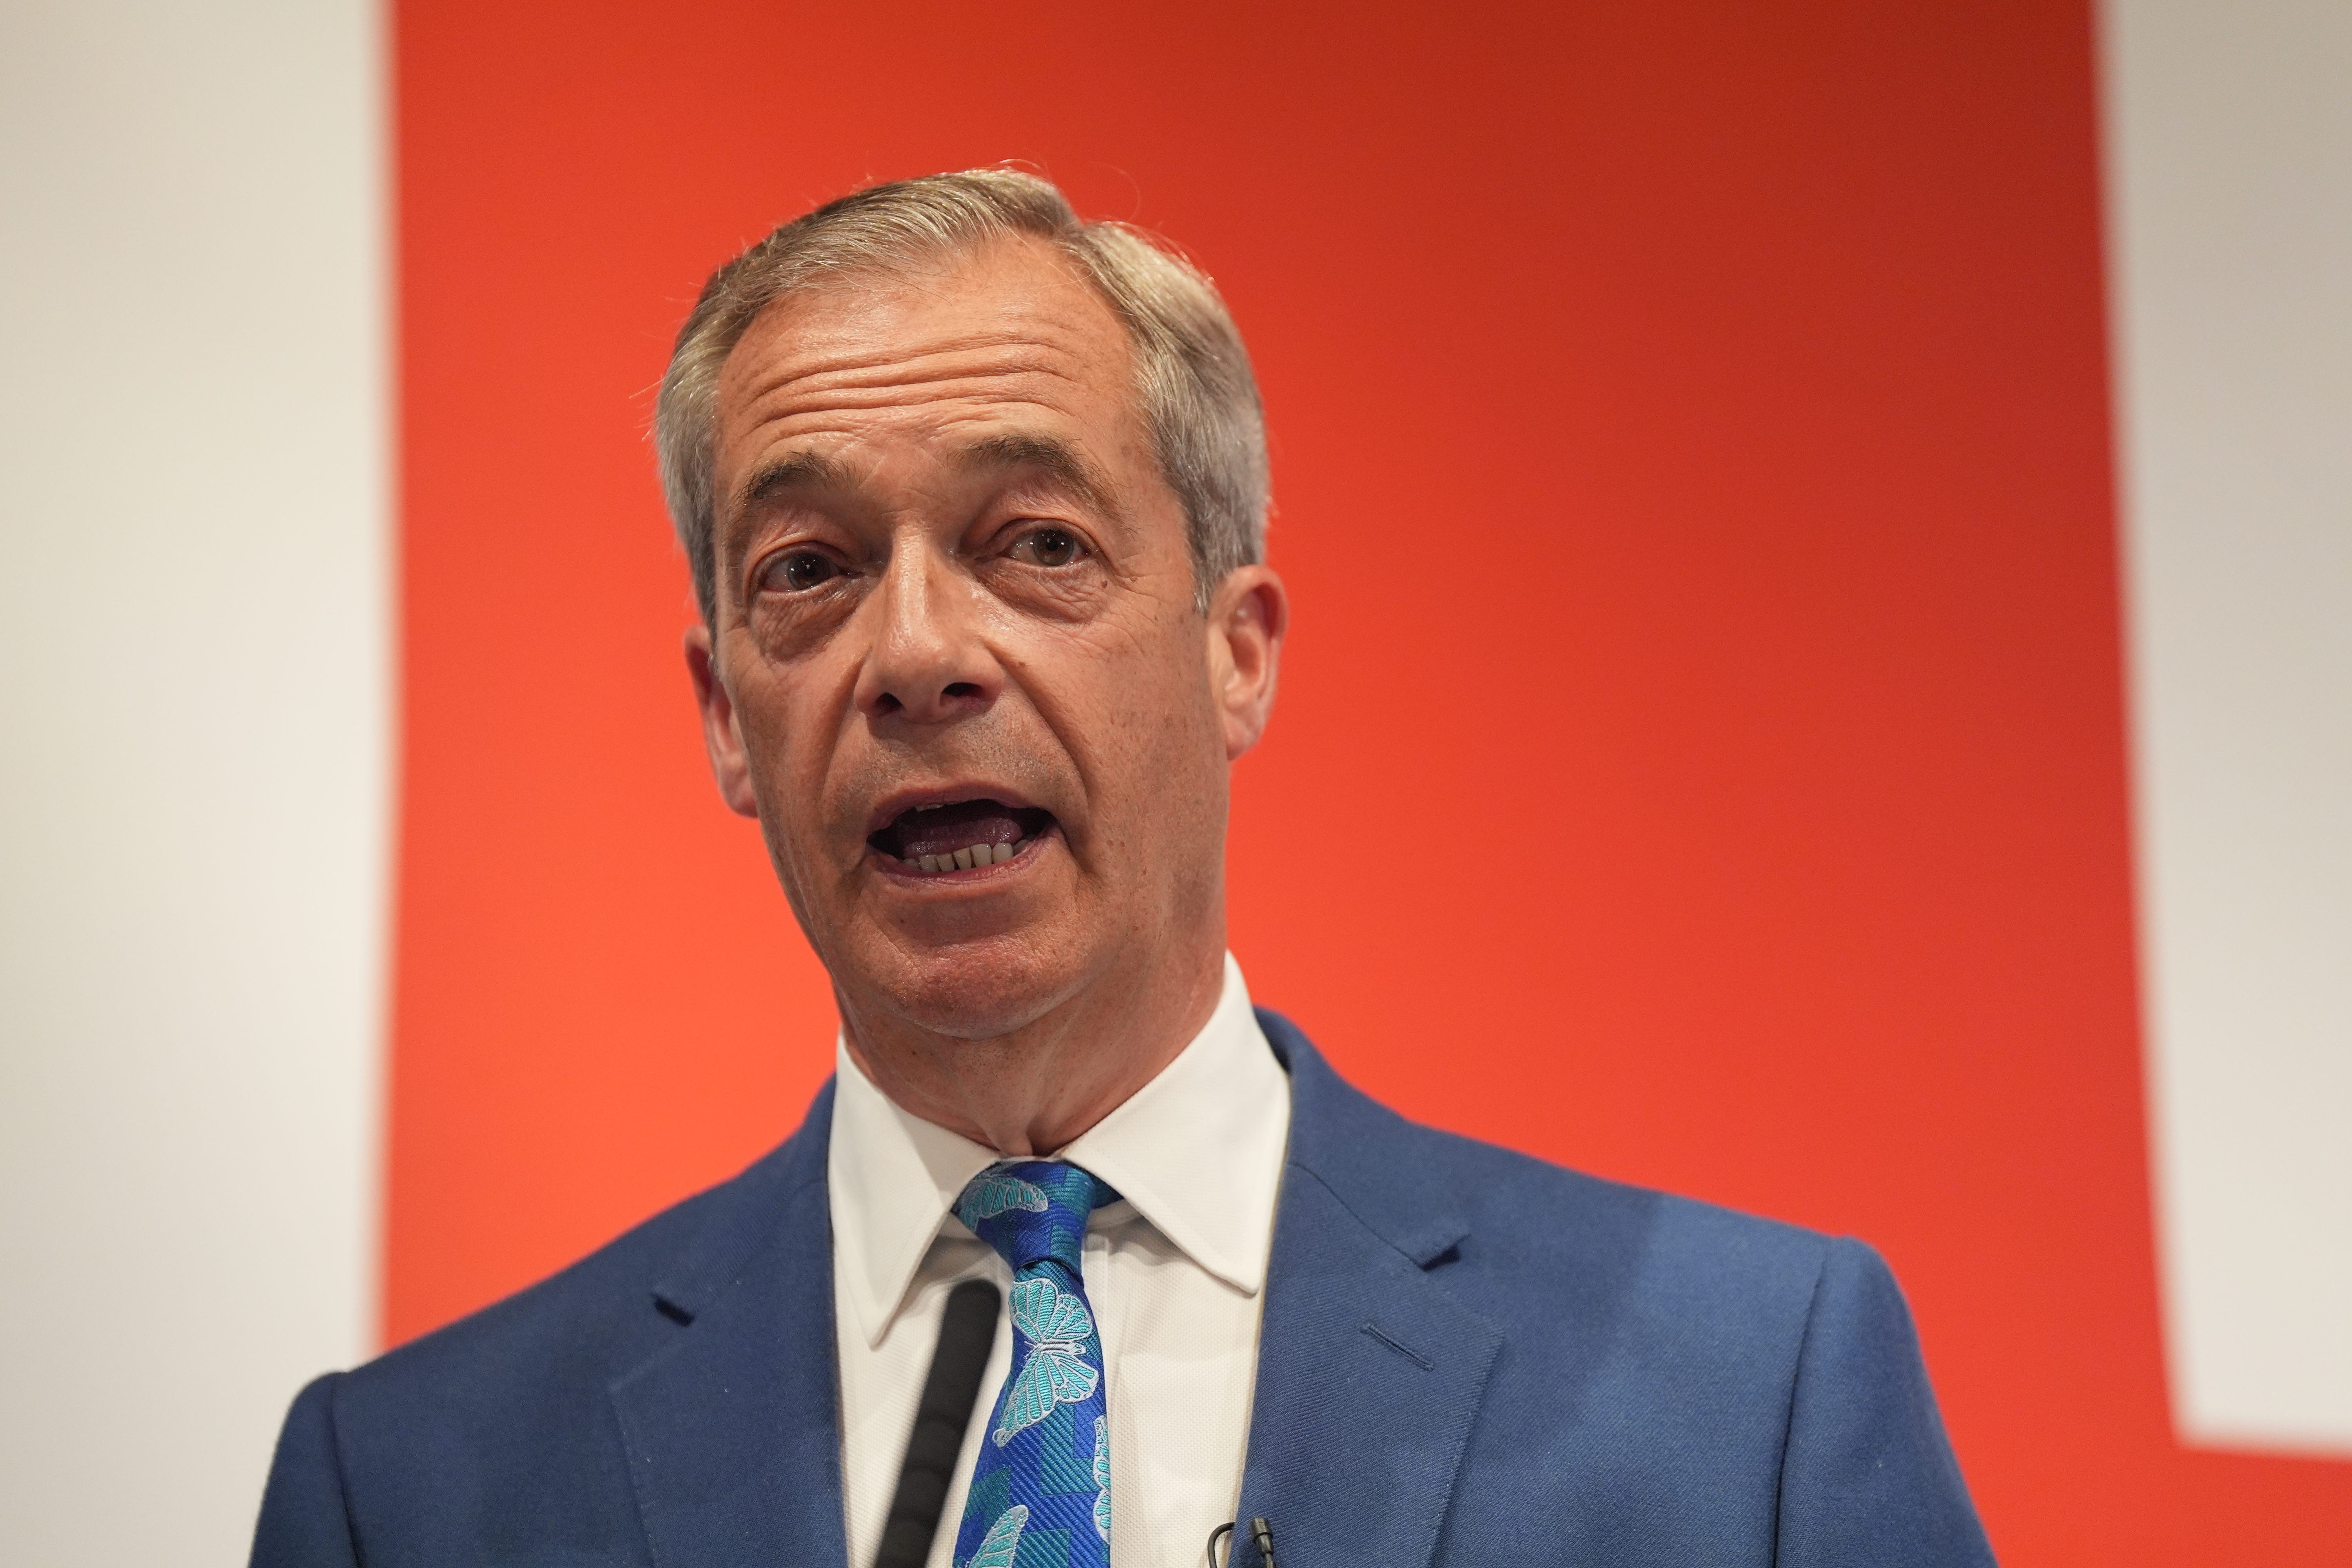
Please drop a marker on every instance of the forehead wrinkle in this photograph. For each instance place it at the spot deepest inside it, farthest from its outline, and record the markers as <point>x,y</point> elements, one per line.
<point>822,371</point>
<point>811,469</point>
<point>837,385</point>
<point>782,424</point>
<point>788,396</point>
<point>942,395</point>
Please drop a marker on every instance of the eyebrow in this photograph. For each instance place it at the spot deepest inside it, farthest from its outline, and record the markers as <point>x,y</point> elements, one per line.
<point>801,472</point>
<point>1058,461</point>
<point>1055,459</point>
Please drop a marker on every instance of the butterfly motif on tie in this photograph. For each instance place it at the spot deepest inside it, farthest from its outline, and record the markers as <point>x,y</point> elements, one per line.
<point>996,1194</point>
<point>1055,1373</point>
<point>1102,1478</point>
<point>1003,1540</point>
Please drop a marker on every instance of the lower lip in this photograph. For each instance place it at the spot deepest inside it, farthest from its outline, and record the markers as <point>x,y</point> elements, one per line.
<point>892,867</point>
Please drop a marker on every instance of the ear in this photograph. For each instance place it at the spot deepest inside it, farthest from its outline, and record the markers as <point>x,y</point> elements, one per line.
<point>1248,615</point>
<point>720,735</point>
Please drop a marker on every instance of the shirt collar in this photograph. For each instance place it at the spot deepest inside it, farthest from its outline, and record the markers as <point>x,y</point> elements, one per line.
<point>1198,1151</point>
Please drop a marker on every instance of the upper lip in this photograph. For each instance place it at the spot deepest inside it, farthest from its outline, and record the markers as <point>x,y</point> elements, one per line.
<point>897,803</point>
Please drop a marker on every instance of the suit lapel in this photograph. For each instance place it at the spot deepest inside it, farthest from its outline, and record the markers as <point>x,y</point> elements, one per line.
<point>732,1429</point>
<point>1369,1373</point>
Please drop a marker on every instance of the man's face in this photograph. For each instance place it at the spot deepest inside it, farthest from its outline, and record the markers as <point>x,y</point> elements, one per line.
<point>957,669</point>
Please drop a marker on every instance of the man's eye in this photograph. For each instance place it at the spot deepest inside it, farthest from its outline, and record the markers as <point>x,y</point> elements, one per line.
<point>1048,547</point>
<point>798,572</point>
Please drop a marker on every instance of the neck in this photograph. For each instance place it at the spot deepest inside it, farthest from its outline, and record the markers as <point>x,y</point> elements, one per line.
<point>1037,1088</point>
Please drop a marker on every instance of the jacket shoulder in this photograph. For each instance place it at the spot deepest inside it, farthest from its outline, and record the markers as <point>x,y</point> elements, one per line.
<point>600,1297</point>
<point>490,1437</point>
<point>1674,1381</point>
<point>1539,1205</point>
<point>591,1320</point>
<point>1532,1238</point>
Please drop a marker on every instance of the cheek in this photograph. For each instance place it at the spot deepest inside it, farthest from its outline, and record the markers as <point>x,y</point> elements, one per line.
<point>1159,738</point>
<point>769,712</point>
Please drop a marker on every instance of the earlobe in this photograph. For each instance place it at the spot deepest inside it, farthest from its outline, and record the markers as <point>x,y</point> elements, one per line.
<point>721,737</point>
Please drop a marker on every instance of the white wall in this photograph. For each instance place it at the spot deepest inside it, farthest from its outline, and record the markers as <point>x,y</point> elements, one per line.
<point>2230,165</point>
<point>193,753</point>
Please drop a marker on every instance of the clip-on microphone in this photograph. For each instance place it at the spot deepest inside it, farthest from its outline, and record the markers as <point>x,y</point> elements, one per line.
<point>967,1330</point>
<point>1261,1536</point>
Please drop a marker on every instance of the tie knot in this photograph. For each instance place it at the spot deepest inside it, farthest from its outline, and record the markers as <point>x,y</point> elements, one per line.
<point>1032,1211</point>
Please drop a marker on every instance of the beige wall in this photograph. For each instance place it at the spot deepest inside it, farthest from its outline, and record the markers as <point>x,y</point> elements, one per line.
<point>2230,197</point>
<point>193,751</point>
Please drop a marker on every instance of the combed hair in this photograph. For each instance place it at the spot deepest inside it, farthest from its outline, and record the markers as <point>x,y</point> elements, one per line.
<point>1193,385</point>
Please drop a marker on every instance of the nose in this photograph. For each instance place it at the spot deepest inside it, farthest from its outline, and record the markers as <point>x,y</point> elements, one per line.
<point>928,663</point>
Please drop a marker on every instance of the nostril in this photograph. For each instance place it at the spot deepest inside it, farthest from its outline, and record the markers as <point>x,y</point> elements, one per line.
<point>885,703</point>
<point>962,688</point>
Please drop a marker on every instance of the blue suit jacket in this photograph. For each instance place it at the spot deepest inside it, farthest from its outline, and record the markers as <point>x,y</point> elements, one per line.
<point>1467,1357</point>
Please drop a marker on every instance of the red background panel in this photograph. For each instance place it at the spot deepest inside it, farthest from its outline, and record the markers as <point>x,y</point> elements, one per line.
<point>1701,756</point>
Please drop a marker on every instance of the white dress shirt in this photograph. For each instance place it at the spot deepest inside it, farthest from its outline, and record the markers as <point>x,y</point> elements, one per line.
<point>1175,1270</point>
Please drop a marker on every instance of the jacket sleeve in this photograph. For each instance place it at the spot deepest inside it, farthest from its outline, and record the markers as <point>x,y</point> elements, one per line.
<point>304,1520</point>
<point>1868,1477</point>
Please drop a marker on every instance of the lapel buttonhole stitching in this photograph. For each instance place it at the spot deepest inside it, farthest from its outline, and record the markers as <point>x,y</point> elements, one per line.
<point>1375,1331</point>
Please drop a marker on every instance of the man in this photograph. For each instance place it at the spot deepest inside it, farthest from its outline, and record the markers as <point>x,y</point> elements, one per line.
<point>973,495</point>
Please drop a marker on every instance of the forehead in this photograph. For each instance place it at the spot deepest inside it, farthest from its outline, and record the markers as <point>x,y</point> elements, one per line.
<point>1010,333</point>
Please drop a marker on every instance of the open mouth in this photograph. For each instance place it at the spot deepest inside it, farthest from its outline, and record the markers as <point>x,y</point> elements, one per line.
<point>935,840</point>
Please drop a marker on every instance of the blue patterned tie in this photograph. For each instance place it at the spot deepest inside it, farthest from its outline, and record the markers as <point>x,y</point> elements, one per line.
<point>1040,1495</point>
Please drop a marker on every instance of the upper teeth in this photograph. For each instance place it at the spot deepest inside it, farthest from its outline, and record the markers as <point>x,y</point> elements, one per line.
<point>965,859</point>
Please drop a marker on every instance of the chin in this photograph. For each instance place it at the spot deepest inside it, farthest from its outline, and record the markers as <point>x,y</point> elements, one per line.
<point>980,988</point>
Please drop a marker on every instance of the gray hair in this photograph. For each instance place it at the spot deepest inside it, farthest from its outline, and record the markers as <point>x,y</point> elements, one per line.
<point>1193,385</point>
